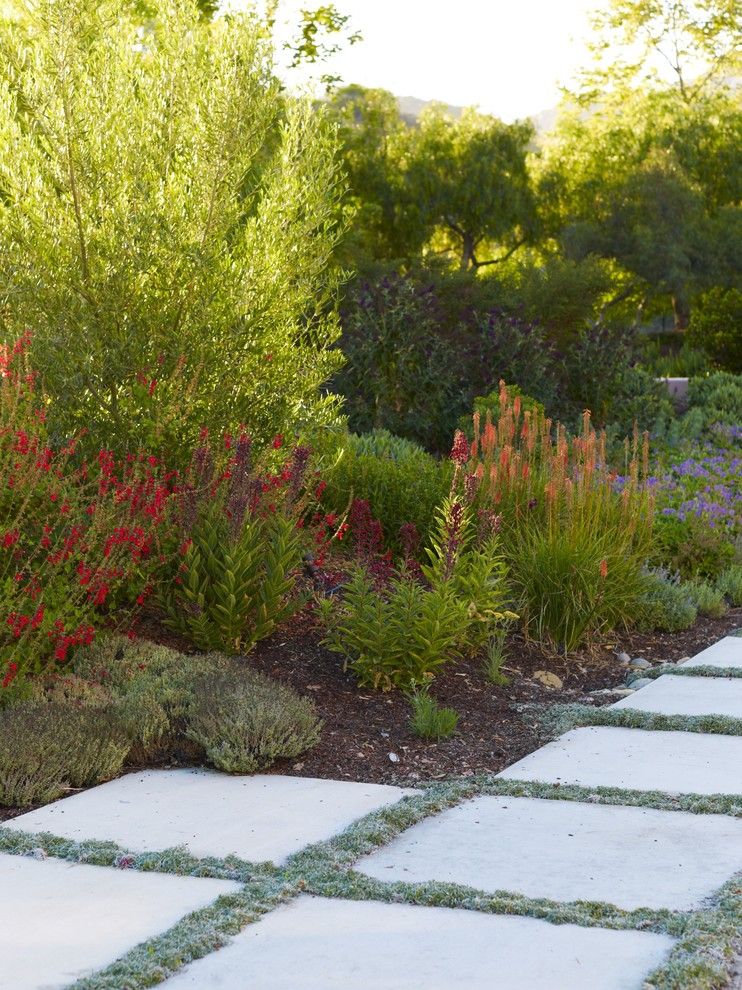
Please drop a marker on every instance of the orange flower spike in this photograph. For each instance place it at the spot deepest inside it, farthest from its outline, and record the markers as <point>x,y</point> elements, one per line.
<point>604,568</point>
<point>516,406</point>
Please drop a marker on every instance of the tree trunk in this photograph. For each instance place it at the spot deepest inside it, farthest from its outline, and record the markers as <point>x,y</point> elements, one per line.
<point>467,252</point>
<point>680,312</point>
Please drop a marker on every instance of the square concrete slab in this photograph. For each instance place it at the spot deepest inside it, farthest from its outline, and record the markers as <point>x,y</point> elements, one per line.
<point>212,814</point>
<point>670,695</point>
<point>637,759</point>
<point>356,945</point>
<point>567,851</point>
<point>726,652</point>
<point>60,921</point>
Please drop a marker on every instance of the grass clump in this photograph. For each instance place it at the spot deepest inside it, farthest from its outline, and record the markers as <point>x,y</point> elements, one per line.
<point>494,659</point>
<point>429,720</point>
<point>48,747</point>
<point>246,723</point>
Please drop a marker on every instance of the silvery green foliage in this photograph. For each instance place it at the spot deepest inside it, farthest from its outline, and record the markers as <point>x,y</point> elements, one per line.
<point>167,219</point>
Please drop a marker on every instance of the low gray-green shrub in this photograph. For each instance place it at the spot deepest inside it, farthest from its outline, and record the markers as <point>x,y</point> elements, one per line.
<point>429,720</point>
<point>729,584</point>
<point>167,700</point>
<point>48,747</point>
<point>247,722</point>
<point>666,604</point>
<point>151,687</point>
<point>709,600</point>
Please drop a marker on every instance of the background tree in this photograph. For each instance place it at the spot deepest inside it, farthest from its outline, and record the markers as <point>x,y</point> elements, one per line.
<point>167,215</point>
<point>697,41</point>
<point>374,140</point>
<point>469,177</point>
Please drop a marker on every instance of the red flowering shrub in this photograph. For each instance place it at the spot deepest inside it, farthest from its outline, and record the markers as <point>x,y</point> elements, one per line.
<point>72,535</point>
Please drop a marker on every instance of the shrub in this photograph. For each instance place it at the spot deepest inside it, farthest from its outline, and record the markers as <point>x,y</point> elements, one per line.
<point>599,374</point>
<point>429,720</point>
<point>515,350</point>
<point>245,724</point>
<point>719,397</point>
<point>166,701</point>
<point>168,218</point>
<point>239,530</point>
<point>666,604</point>
<point>46,748</point>
<point>400,634</point>
<point>700,508</point>
<point>707,599</point>
<point>151,687</point>
<point>689,545</point>
<point>401,483</point>
<point>75,538</point>
<point>575,546</point>
<point>714,326</point>
<point>398,637</point>
<point>399,374</point>
<point>729,583</point>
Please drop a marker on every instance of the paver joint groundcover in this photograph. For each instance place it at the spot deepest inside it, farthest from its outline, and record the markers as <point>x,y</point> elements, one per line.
<point>699,959</point>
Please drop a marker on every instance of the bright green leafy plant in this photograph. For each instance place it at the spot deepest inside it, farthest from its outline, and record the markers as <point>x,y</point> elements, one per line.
<point>399,633</point>
<point>241,543</point>
<point>428,719</point>
<point>396,637</point>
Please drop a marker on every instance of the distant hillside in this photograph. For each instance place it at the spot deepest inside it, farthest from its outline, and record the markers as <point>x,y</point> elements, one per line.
<point>410,108</point>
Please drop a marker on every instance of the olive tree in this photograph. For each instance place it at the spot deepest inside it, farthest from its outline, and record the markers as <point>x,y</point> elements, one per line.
<point>167,224</point>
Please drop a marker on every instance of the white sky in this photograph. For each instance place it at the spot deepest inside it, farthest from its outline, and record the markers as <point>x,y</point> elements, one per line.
<point>506,56</point>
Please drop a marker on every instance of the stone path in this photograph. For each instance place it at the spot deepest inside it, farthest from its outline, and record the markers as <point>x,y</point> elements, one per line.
<point>574,869</point>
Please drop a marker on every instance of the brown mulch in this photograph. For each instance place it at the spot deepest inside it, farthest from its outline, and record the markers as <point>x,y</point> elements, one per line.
<point>363,727</point>
<point>367,736</point>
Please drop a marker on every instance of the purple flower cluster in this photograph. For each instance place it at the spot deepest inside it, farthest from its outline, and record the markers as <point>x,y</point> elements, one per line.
<point>707,486</point>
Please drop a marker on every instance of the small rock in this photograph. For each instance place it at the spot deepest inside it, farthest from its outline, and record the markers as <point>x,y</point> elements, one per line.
<point>623,691</point>
<point>548,679</point>
<point>640,663</point>
<point>682,660</point>
<point>393,758</point>
<point>37,853</point>
<point>624,657</point>
<point>641,682</point>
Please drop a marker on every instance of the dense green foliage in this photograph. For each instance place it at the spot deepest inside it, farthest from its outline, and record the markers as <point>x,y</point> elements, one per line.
<point>167,216</point>
<point>401,483</point>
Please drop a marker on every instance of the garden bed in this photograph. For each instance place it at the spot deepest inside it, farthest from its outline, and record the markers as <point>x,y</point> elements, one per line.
<point>366,730</point>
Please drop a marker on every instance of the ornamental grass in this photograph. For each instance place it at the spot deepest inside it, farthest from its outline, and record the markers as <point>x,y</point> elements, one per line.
<point>575,545</point>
